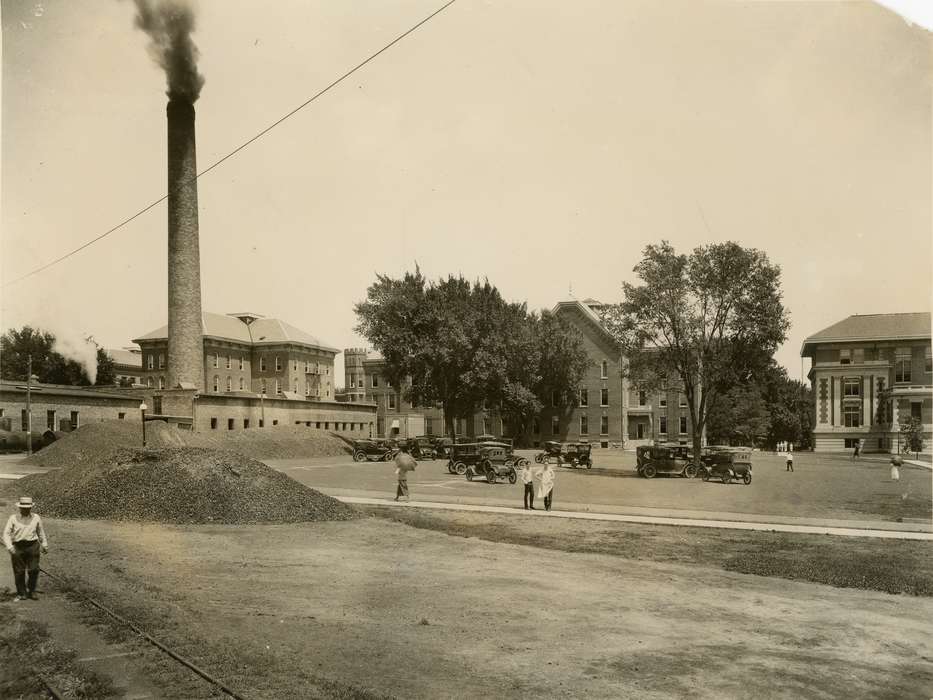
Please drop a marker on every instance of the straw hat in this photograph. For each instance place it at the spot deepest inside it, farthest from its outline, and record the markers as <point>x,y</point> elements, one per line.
<point>24,502</point>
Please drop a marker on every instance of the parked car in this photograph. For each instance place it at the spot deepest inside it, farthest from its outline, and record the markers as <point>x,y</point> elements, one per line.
<point>374,450</point>
<point>726,463</point>
<point>651,460</point>
<point>493,462</point>
<point>574,454</point>
<point>420,447</point>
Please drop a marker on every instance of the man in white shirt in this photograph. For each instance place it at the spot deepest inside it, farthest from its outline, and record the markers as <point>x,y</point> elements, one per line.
<point>23,536</point>
<point>528,481</point>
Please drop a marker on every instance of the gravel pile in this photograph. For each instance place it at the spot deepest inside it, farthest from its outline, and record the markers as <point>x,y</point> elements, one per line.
<point>179,485</point>
<point>94,441</point>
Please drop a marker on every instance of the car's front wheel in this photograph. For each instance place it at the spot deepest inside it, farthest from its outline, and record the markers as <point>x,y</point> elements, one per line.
<point>690,471</point>
<point>747,478</point>
<point>491,475</point>
<point>649,471</point>
<point>460,468</point>
<point>513,477</point>
<point>359,456</point>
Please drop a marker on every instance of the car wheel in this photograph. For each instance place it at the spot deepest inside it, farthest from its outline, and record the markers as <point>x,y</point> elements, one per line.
<point>747,478</point>
<point>538,459</point>
<point>726,477</point>
<point>359,456</point>
<point>649,471</point>
<point>690,471</point>
<point>450,468</point>
<point>460,468</point>
<point>491,475</point>
<point>513,477</point>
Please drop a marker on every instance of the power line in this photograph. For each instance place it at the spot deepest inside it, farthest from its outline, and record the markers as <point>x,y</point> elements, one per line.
<point>238,148</point>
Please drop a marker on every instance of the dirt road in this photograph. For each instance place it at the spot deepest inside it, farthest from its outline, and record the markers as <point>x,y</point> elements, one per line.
<point>417,614</point>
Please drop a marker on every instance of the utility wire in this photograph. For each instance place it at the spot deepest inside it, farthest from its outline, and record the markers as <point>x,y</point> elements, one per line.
<point>237,149</point>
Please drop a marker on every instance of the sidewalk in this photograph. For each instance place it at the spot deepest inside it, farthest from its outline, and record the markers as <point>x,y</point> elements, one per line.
<point>658,516</point>
<point>118,661</point>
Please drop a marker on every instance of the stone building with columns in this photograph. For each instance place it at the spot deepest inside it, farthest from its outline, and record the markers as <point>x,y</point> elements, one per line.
<point>865,362</point>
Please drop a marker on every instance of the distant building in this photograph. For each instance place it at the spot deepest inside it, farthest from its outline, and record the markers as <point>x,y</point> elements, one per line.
<point>62,408</point>
<point>867,362</point>
<point>127,366</point>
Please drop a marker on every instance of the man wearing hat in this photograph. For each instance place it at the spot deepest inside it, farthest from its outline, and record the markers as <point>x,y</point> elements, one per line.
<point>23,536</point>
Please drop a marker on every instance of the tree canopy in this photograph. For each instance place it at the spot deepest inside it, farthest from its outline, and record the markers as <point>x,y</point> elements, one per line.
<point>49,365</point>
<point>461,343</point>
<point>709,319</point>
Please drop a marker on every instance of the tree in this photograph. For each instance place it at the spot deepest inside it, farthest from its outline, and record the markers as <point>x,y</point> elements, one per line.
<point>462,344</point>
<point>49,365</point>
<point>912,435</point>
<point>713,317</point>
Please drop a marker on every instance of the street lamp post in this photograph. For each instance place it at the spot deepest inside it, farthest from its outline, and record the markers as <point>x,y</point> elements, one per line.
<point>29,404</point>
<point>142,409</point>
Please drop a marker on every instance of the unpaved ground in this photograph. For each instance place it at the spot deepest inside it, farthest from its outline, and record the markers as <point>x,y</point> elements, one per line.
<point>418,614</point>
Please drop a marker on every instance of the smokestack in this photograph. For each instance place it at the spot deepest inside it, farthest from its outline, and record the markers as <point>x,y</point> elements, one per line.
<point>185,330</point>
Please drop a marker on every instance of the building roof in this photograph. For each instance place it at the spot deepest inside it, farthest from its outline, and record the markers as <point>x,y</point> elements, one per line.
<point>127,358</point>
<point>261,331</point>
<point>19,387</point>
<point>588,312</point>
<point>871,327</point>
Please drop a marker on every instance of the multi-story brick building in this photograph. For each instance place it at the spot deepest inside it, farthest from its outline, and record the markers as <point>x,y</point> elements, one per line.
<point>249,353</point>
<point>127,366</point>
<point>865,360</point>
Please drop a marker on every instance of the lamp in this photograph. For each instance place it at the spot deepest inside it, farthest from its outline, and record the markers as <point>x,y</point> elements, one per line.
<point>142,409</point>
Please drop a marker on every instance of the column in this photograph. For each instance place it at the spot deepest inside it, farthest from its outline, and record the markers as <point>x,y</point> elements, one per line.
<point>866,401</point>
<point>837,401</point>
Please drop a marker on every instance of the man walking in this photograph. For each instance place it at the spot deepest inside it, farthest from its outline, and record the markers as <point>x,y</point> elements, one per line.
<point>790,462</point>
<point>404,463</point>
<point>528,481</point>
<point>23,537</point>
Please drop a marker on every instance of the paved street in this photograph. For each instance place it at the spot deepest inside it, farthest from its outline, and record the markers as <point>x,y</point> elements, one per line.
<point>832,490</point>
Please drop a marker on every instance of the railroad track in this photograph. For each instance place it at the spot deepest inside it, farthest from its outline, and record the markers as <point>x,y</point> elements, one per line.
<point>67,585</point>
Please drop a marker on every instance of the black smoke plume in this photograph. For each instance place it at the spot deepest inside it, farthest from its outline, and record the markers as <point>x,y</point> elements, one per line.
<point>169,24</point>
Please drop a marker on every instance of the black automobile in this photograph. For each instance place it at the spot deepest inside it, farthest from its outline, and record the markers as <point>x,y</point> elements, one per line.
<point>651,460</point>
<point>727,464</point>
<point>374,450</point>
<point>421,447</point>
<point>574,454</point>
<point>493,462</point>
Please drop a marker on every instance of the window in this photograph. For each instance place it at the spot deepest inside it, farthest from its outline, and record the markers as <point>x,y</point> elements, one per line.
<point>161,361</point>
<point>845,356</point>
<point>536,426</point>
<point>352,382</point>
<point>278,387</point>
<point>24,420</point>
<point>485,426</point>
<point>858,355</point>
<point>851,442</point>
<point>245,423</point>
<point>229,362</point>
<point>278,364</point>
<point>683,401</point>
<point>241,383</point>
<point>902,366</point>
<point>74,420</point>
<point>851,416</point>
<point>584,425</point>
<point>161,382</point>
<point>295,386</point>
<point>229,424</point>
<point>121,416</point>
<point>662,400</point>
<point>604,425</point>
<point>683,425</point>
<point>307,388</point>
<point>555,398</point>
<point>605,370</point>
<point>584,398</point>
<point>262,386</point>
<point>216,360</point>
<point>375,381</point>
<point>294,365</point>
<point>662,425</point>
<point>604,397</point>
<point>851,386</point>
<point>149,382</point>
<point>149,362</point>
<point>262,363</point>
<point>928,361</point>
<point>241,363</point>
<point>318,425</point>
<point>229,384</point>
<point>216,383</point>
<point>50,420</point>
<point>391,398</point>
<point>642,398</point>
<point>213,424</point>
<point>555,425</point>
<point>275,422</point>
<point>916,410</point>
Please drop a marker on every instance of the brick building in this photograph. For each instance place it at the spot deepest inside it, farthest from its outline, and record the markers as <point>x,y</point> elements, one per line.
<point>862,361</point>
<point>56,407</point>
<point>127,366</point>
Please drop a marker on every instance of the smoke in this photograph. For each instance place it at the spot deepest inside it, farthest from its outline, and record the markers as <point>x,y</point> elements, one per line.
<point>78,347</point>
<point>169,24</point>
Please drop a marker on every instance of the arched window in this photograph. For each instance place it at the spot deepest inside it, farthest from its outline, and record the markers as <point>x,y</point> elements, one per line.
<point>605,368</point>
<point>296,386</point>
<point>149,382</point>
<point>216,383</point>
<point>262,386</point>
<point>307,388</point>
<point>161,382</point>
<point>278,387</point>
<point>229,384</point>
<point>241,383</point>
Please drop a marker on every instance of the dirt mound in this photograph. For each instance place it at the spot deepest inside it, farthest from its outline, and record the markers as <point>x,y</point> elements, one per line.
<point>94,441</point>
<point>179,485</point>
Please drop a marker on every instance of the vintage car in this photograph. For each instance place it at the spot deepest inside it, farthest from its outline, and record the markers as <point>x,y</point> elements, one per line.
<point>467,454</point>
<point>374,450</point>
<point>672,458</point>
<point>420,447</point>
<point>727,464</point>
<point>494,462</point>
<point>573,454</point>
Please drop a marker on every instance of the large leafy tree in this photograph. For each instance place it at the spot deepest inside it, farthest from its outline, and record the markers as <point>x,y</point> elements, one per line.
<point>460,343</point>
<point>50,366</point>
<point>712,318</point>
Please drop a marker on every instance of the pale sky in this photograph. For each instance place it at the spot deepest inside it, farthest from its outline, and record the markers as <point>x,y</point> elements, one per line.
<point>539,144</point>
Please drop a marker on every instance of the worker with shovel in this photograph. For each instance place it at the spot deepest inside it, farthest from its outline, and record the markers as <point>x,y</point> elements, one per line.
<point>23,537</point>
<point>404,463</point>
